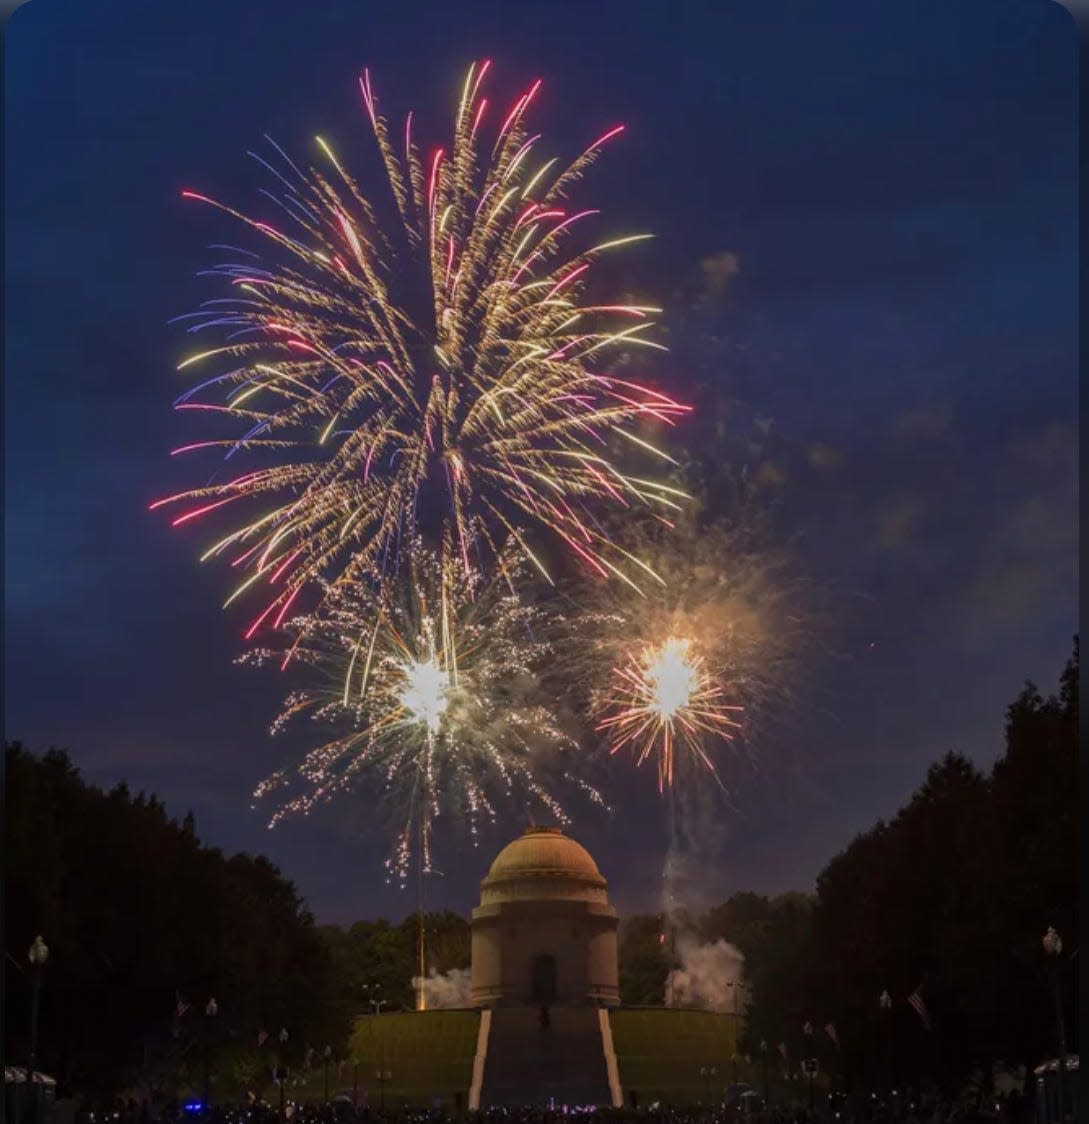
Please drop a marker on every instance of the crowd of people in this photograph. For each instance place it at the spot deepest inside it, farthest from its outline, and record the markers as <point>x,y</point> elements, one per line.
<point>910,1107</point>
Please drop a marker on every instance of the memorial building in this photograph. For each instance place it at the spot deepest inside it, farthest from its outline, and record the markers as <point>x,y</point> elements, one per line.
<point>544,932</point>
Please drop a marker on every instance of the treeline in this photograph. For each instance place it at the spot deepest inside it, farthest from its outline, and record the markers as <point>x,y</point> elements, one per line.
<point>376,961</point>
<point>144,925</point>
<point>950,901</point>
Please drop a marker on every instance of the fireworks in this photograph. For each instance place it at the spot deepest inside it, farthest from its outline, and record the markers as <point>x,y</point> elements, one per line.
<point>425,691</point>
<point>432,364</point>
<point>672,679</point>
<point>690,666</point>
<point>439,373</point>
<point>434,697</point>
<point>665,695</point>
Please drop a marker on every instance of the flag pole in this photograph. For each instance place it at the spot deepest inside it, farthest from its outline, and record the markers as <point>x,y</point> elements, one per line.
<point>421,995</point>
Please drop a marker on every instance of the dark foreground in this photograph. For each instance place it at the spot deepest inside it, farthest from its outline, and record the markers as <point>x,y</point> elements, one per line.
<point>835,1110</point>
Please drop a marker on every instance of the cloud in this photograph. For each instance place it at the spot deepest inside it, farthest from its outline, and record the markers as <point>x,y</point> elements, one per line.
<point>1053,449</point>
<point>1029,558</point>
<point>898,523</point>
<point>925,423</point>
<point>718,271</point>
<point>770,475</point>
<point>823,457</point>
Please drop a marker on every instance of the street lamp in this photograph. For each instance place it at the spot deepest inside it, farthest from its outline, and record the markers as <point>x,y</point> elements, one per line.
<point>708,1073</point>
<point>884,1002</point>
<point>38,955</point>
<point>764,1057</point>
<point>1053,949</point>
<point>281,1073</point>
<point>327,1054</point>
<point>810,1067</point>
<point>211,1009</point>
<point>382,1076</point>
<point>371,992</point>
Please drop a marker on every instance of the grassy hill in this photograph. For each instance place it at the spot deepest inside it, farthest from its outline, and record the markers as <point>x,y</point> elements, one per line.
<point>660,1053</point>
<point>428,1054</point>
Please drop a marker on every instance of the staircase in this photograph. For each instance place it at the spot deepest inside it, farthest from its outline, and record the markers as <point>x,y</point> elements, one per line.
<point>528,1064</point>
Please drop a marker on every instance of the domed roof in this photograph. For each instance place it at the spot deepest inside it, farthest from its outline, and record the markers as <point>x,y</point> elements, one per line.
<point>544,851</point>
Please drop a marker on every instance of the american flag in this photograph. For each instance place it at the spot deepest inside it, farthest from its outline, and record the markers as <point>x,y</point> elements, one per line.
<point>180,1007</point>
<point>916,1001</point>
<point>830,1030</point>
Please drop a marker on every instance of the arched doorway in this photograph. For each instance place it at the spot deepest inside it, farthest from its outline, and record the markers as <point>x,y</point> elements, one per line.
<point>544,979</point>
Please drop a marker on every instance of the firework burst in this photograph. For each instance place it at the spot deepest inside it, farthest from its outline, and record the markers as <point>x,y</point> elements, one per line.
<point>663,696</point>
<point>447,366</point>
<point>434,698</point>
<point>691,667</point>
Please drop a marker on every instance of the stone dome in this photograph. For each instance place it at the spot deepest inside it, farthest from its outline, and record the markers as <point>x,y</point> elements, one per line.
<point>544,932</point>
<point>545,853</point>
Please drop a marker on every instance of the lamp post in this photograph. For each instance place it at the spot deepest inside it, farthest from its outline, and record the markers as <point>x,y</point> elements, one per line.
<point>1053,949</point>
<point>708,1073</point>
<point>371,992</point>
<point>326,1056</point>
<point>38,955</point>
<point>210,1011</point>
<point>764,1058</point>
<point>281,1073</point>
<point>884,1002</point>
<point>382,1076</point>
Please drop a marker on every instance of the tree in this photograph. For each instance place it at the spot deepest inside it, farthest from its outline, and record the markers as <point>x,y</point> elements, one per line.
<point>642,961</point>
<point>954,894</point>
<point>136,913</point>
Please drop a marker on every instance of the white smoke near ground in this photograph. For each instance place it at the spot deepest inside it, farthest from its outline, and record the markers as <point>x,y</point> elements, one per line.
<point>711,976</point>
<point>450,989</point>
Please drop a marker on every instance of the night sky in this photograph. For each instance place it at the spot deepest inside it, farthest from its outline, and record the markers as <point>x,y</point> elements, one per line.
<point>897,184</point>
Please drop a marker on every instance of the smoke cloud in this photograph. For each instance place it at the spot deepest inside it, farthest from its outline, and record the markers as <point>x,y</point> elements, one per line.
<point>711,976</point>
<point>451,989</point>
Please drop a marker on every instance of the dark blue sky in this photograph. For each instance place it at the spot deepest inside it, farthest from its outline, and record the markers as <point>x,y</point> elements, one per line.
<point>897,182</point>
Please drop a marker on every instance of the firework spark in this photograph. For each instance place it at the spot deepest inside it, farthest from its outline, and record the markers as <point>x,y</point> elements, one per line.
<point>448,365</point>
<point>434,697</point>
<point>425,691</point>
<point>663,696</point>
